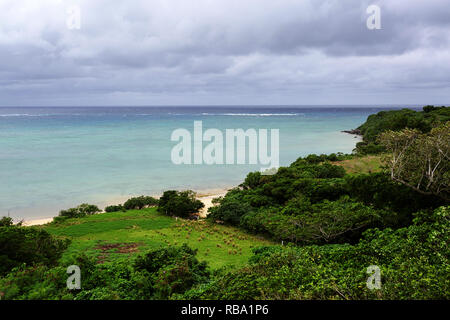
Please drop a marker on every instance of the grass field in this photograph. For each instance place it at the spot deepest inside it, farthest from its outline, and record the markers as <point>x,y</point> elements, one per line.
<point>365,164</point>
<point>121,235</point>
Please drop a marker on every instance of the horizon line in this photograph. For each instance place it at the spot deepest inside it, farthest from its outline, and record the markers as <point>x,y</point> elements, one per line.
<point>396,105</point>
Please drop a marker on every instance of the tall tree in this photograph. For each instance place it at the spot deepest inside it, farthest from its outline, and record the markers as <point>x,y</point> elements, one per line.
<point>420,161</point>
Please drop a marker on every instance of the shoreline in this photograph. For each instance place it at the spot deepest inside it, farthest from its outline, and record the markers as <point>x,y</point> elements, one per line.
<point>204,195</point>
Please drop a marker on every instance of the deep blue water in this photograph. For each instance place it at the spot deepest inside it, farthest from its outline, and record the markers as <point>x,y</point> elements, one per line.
<point>54,158</point>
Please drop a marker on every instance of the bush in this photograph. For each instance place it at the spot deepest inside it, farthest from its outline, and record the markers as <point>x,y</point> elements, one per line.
<point>82,210</point>
<point>6,222</point>
<point>337,221</point>
<point>181,204</point>
<point>420,161</point>
<point>176,269</point>
<point>252,180</point>
<point>30,246</point>
<point>366,148</point>
<point>396,120</point>
<point>314,201</point>
<point>414,263</point>
<point>115,208</point>
<point>140,202</point>
<point>35,283</point>
<point>230,209</point>
<point>59,219</point>
<point>379,191</point>
<point>158,274</point>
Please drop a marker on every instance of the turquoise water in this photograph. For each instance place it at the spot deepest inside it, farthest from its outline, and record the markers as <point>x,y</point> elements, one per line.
<point>55,158</point>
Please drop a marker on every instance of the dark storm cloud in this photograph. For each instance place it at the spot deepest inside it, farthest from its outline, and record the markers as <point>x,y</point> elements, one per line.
<point>220,52</point>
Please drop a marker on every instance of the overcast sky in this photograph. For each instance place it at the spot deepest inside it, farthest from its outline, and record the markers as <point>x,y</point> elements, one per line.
<point>223,52</point>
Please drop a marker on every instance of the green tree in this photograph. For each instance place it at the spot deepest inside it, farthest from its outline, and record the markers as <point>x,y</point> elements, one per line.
<point>140,202</point>
<point>414,264</point>
<point>115,208</point>
<point>229,209</point>
<point>6,222</point>
<point>396,120</point>
<point>82,210</point>
<point>420,161</point>
<point>27,245</point>
<point>174,269</point>
<point>181,204</point>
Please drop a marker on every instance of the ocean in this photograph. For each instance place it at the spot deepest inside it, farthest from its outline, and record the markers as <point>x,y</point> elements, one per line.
<point>53,158</point>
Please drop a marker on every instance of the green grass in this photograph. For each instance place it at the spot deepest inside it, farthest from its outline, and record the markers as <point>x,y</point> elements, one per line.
<point>122,235</point>
<point>366,164</point>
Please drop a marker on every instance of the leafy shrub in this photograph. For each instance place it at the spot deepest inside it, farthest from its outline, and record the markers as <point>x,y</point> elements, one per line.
<point>158,274</point>
<point>30,246</point>
<point>115,208</point>
<point>140,202</point>
<point>314,201</point>
<point>176,269</point>
<point>81,211</point>
<point>35,283</point>
<point>420,161</point>
<point>325,222</point>
<point>379,191</point>
<point>366,148</point>
<point>315,159</point>
<point>6,222</point>
<point>252,180</point>
<point>396,120</point>
<point>181,204</point>
<point>414,263</point>
<point>230,209</point>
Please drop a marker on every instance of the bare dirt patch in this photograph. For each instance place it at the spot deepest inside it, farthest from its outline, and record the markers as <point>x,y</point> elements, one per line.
<point>108,248</point>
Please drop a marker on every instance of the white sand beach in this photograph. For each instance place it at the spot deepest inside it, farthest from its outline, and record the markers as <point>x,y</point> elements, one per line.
<point>207,201</point>
<point>36,222</point>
